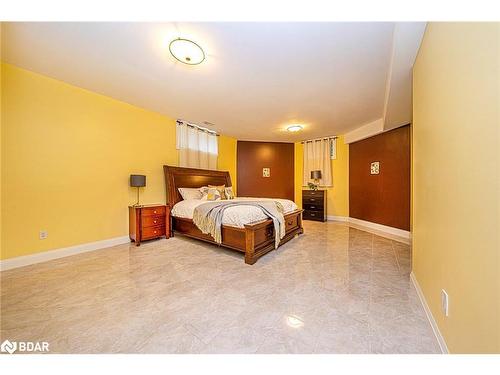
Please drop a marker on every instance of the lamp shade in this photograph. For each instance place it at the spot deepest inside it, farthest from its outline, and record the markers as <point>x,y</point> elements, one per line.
<point>316,175</point>
<point>137,180</point>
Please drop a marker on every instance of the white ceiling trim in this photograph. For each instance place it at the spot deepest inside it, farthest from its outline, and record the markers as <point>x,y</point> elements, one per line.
<point>365,131</point>
<point>398,92</point>
<point>406,43</point>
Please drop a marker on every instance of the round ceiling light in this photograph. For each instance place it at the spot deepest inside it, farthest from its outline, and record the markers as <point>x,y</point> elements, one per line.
<point>294,128</point>
<point>186,51</point>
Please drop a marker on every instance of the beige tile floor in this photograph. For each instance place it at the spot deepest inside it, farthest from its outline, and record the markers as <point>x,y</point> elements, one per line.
<point>334,289</point>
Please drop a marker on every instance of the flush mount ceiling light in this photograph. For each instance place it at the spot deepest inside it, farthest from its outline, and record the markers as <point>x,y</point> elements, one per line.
<point>294,128</point>
<point>186,51</point>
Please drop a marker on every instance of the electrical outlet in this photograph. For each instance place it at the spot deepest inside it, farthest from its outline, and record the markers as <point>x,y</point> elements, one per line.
<point>43,234</point>
<point>444,302</point>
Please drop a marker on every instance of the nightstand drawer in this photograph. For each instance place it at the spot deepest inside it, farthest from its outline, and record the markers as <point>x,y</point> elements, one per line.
<point>152,221</point>
<point>313,215</point>
<point>152,232</point>
<point>150,211</point>
<point>318,206</point>
<point>318,201</point>
<point>313,193</point>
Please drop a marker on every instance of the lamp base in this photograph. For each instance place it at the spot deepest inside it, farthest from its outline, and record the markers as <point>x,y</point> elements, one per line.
<point>312,186</point>
<point>137,204</point>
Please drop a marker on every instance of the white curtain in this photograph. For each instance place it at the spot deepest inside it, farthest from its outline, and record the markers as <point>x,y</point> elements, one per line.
<point>317,157</point>
<point>197,146</point>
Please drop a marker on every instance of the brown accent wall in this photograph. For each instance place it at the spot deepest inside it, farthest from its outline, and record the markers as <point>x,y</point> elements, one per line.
<point>252,157</point>
<point>382,198</point>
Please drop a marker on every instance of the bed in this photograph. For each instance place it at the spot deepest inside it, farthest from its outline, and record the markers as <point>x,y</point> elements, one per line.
<point>254,239</point>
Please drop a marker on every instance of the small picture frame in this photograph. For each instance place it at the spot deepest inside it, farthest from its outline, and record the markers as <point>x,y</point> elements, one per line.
<point>375,167</point>
<point>266,172</point>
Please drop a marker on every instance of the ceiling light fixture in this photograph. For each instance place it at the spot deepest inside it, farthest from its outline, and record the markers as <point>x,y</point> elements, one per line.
<point>294,128</point>
<point>186,51</point>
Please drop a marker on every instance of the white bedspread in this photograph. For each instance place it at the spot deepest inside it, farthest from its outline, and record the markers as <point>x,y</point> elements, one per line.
<point>234,216</point>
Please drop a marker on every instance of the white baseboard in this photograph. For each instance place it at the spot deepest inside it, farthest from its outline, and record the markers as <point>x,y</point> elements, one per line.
<point>430,317</point>
<point>337,218</point>
<point>381,230</point>
<point>45,256</point>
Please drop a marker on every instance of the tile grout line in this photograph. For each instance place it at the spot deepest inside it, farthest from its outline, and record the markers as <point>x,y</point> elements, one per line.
<point>396,255</point>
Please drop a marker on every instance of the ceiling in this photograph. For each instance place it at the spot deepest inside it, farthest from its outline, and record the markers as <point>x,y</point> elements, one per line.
<point>257,79</point>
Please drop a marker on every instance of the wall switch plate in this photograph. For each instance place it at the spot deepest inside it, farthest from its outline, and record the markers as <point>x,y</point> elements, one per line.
<point>266,172</point>
<point>43,234</point>
<point>375,167</point>
<point>444,302</point>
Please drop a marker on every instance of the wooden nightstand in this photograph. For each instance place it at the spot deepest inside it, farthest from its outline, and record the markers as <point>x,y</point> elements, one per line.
<point>148,222</point>
<point>314,204</point>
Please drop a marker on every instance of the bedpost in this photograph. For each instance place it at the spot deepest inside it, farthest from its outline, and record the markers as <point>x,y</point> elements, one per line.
<point>250,246</point>
<point>299,222</point>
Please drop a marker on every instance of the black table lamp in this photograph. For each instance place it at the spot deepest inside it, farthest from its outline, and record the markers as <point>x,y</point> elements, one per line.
<point>316,176</point>
<point>138,181</point>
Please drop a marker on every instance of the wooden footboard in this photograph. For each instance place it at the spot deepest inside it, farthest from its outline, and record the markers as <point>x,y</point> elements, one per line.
<point>254,240</point>
<point>259,237</point>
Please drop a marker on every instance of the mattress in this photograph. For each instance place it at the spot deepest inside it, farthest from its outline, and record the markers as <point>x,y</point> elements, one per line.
<point>235,216</point>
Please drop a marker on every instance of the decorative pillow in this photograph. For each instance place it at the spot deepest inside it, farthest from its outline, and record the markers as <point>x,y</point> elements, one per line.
<point>190,193</point>
<point>210,194</point>
<point>221,189</point>
<point>203,191</point>
<point>229,192</point>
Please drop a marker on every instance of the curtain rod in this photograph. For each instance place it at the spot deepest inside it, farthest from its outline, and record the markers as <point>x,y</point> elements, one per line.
<point>198,127</point>
<point>319,139</point>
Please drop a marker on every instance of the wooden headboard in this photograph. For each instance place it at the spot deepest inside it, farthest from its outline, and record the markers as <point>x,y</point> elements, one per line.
<point>178,177</point>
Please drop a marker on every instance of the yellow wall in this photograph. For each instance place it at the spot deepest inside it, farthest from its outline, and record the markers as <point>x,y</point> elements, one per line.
<point>299,165</point>
<point>456,152</point>
<point>338,195</point>
<point>67,157</point>
<point>227,158</point>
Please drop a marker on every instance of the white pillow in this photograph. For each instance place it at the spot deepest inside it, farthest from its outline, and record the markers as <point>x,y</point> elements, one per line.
<point>190,193</point>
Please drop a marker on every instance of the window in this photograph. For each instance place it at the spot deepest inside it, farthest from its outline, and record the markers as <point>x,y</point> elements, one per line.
<point>197,146</point>
<point>318,154</point>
